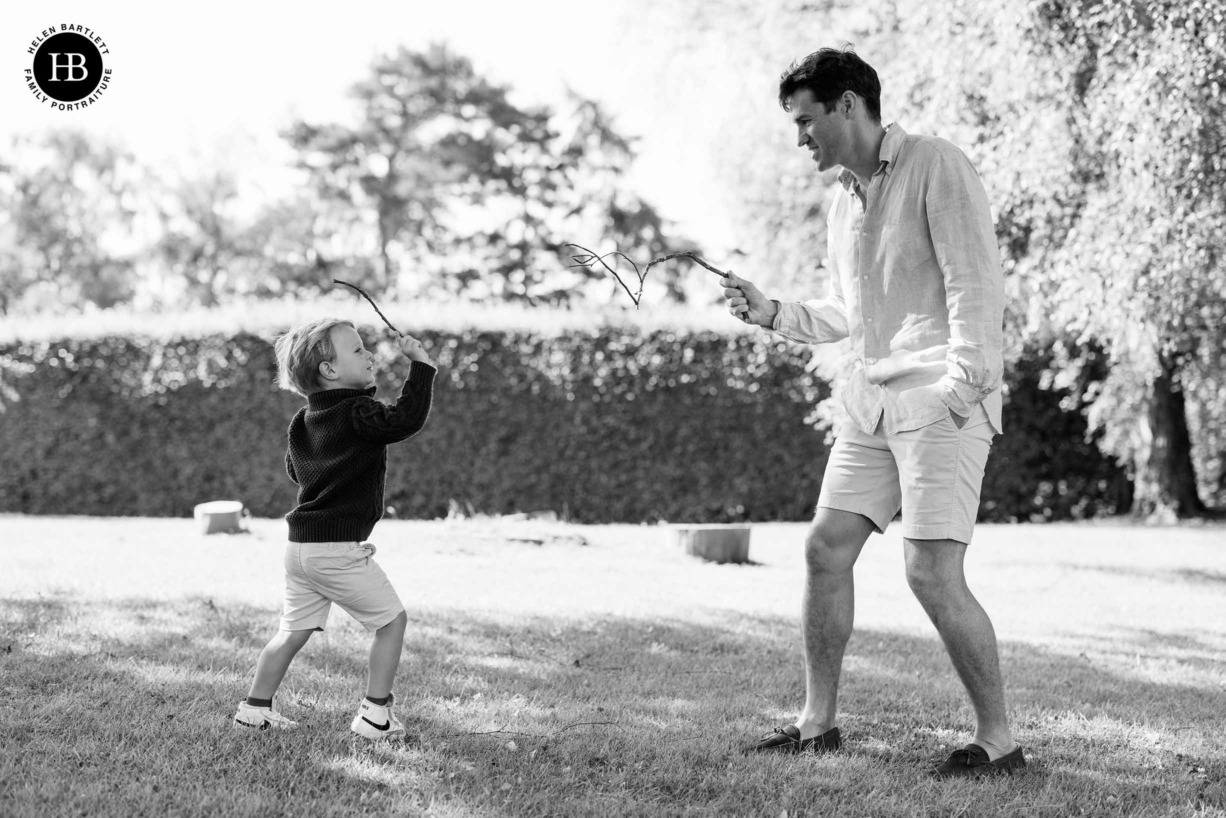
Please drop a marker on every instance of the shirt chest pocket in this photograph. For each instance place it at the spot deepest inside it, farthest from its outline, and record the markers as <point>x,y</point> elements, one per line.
<point>906,246</point>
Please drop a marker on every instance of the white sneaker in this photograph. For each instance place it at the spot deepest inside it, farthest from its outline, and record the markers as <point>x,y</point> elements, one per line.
<point>376,722</point>
<point>261,718</point>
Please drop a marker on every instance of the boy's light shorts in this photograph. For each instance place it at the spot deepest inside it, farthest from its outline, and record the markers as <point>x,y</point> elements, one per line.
<point>933,474</point>
<point>320,573</point>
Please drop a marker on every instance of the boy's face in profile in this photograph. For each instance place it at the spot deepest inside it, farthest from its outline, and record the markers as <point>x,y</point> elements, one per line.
<point>352,367</point>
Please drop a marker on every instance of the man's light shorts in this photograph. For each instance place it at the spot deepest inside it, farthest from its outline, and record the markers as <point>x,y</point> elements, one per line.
<point>933,474</point>
<point>320,573</point>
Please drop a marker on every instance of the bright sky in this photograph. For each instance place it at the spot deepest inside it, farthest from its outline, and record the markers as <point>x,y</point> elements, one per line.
<point>191,80</point>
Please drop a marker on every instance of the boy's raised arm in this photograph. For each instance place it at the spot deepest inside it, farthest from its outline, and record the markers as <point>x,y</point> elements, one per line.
<point>378,422</point>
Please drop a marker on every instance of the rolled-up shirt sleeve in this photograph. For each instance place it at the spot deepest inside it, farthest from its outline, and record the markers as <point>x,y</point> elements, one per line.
<point>818,321</point>
<point>960,223</point>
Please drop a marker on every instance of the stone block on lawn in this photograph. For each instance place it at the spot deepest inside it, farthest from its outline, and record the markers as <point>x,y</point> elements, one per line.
<point>715,542</point>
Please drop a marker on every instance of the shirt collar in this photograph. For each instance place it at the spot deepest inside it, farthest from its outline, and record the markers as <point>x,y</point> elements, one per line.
<point>890,145</point>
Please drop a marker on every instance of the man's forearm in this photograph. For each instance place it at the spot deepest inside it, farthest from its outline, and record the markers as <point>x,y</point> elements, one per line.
<point>811,322</point>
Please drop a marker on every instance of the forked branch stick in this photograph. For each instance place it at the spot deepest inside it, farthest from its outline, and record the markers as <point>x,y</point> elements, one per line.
<point>591,258</point>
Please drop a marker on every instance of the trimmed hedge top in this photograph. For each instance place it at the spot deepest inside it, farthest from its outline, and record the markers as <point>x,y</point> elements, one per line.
<point>599,423</point>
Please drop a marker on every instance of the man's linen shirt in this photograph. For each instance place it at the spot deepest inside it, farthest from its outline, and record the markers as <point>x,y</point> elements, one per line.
<point>916,285</point>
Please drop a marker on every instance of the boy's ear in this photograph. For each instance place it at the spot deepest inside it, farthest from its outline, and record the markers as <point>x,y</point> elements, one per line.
<point>327,371</point>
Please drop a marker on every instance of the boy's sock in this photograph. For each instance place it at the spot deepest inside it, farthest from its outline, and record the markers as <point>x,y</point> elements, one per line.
<point>254,702</point>
<point>381,701</point>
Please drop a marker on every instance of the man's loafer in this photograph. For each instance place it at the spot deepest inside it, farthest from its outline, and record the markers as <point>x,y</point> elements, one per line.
<point>788,740</point>
<point>972,760</point>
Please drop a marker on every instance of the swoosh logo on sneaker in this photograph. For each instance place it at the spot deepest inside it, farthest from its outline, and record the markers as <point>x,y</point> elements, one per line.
<point>380,727</point>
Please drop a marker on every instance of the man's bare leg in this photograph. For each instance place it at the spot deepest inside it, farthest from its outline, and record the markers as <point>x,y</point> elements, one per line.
<point>831,550</point>
<point>935,574</point>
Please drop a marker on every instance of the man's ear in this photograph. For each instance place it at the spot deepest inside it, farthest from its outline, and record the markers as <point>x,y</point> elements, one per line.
<point>848,102</point>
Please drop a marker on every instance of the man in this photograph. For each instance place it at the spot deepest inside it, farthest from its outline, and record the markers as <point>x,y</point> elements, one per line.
<point>916,286</point>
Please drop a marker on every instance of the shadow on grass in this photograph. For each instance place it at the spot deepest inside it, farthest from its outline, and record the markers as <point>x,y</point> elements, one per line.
<point>1177,576</point>
<point>23,617</point>
<point>538,715</point>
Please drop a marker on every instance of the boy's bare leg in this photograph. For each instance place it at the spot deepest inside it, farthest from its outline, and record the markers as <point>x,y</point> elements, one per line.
<point>833,545</point>
<point>385,657</point>
<point>935,574</point>
<point>275,661</point>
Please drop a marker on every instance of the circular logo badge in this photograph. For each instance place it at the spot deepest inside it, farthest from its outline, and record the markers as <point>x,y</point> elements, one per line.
<point>68,70</point>
<point>68,67</point>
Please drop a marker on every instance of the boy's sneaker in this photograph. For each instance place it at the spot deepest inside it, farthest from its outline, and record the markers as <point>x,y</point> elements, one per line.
<point>377,722</point>
<point>261,718</point>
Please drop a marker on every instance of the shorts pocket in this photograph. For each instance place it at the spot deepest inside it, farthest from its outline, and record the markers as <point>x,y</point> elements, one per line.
<point>978,417</point>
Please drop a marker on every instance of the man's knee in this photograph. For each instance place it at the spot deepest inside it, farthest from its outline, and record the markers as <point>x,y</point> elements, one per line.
<point>834,541</point>
<point>927,585</point>
<point>934,571</point>
<point>396,625</point>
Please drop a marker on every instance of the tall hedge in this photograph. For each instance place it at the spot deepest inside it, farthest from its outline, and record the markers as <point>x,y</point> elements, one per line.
<point>612,425</point>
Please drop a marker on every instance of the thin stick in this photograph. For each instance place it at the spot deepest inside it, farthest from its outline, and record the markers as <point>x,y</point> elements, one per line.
<point>691,257</point>
<point>362,293</point>
<point>686,254</point>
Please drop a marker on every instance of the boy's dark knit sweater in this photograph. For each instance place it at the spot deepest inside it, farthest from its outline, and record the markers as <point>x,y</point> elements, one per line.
<point>338,456</point>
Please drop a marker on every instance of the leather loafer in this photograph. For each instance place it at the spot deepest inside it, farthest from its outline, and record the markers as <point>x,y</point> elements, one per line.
<point>788,740</point>
<point>972,760</point>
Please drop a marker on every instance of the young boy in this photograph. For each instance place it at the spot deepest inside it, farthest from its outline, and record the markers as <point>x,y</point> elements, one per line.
<point>338,457</point>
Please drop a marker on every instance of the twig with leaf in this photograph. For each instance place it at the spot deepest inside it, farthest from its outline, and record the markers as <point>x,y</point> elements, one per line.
<point>589,258</point>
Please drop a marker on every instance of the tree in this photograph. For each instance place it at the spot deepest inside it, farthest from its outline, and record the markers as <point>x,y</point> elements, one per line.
<point>290,241</point>
<point>457,188</point>
<point>427,123</point>
<point>715,65</point>
<point>1098,127</point>
<point>589,197</point>
<point>67,237</point>
<point>1107,163</point>
<point>1147,246</point>
<point>200,243</point>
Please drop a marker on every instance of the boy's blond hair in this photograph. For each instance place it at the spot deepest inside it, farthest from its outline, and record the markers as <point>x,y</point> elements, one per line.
<point>300,352</point>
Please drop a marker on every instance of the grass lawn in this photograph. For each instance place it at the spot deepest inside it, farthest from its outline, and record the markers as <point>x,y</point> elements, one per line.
<point>571,670</point>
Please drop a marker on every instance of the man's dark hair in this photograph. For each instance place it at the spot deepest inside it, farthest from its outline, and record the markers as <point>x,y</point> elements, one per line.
<point>829,72</point>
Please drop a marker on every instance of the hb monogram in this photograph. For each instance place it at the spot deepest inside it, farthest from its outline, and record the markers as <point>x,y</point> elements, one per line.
<point>71,65</point>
